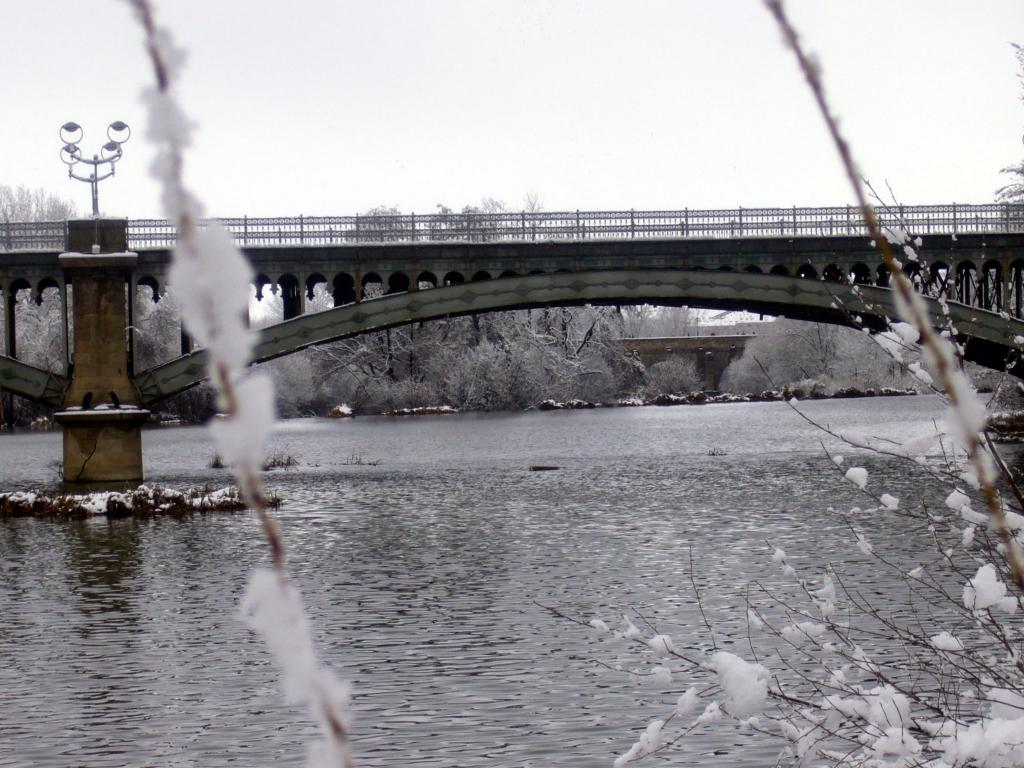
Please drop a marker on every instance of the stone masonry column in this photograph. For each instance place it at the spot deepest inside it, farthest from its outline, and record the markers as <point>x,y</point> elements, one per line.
<point>101,417</point>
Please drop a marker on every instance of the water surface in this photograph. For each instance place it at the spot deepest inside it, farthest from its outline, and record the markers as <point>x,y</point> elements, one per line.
<point>425,549</point>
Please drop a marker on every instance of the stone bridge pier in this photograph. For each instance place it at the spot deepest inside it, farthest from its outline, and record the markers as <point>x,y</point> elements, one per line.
<point>100,417</point>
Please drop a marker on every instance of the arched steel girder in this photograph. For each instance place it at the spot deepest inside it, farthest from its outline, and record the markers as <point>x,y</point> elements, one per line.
<point>31,382</point>
<point>989,336</point>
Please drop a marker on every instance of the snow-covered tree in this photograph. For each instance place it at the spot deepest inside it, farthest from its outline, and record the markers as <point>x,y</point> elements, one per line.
<point>789,351</point>
<point>672,377</point>
<point>157,328</point>
<point>24,204</point>
<point>40,327</point>
<point>649,321</point>
<point>503,360</point>
<point>1014,191</point>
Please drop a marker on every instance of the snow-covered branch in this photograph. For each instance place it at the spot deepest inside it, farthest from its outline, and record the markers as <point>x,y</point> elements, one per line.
<point>211,278</point>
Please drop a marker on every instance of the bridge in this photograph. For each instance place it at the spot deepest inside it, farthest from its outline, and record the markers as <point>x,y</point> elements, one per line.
<point>710,353</point>
<point>385,271</point>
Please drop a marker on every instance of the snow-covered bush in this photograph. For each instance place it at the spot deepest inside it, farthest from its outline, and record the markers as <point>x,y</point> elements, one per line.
<point>672,377</point>
<point>845,681</point>
<point>790,353</point>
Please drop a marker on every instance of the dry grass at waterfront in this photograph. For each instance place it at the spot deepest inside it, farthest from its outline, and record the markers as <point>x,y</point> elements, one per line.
<point>277,461</point>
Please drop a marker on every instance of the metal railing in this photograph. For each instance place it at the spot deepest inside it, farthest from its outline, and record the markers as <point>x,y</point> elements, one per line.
<point>32,236</point>
<point>561,225</point>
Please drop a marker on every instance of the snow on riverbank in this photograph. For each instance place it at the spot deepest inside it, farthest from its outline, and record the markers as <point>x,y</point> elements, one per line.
<point>704,398</point>
<point>143,501</point>
<point>426,410</point>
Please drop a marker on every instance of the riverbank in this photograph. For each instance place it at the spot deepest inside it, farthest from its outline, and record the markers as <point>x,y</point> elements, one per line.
<point>144,501</point>
<point>692,398</point>
<point>1007,427</point>
<point>708,398</point>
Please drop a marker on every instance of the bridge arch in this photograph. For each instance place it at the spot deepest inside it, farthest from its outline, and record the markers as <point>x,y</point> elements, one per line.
<point>966,282</point>
<point>344,289</point>
<point>426,280</point>
<point>916,274</point>
<point>312,281</point>
<point>833,274</point>
<point>990,340</point>
<point>882,276</point>
<point>372,285</point>
<point>804,272</point>
<point>992,285</point>
<point>291,295</point>
<point>150,281</point>
<point>17,286</point>
<point>860,273</point>
<point>1017,286</point>
<point>398,282</point>
<point>259,281</point>
<point>43,285</point>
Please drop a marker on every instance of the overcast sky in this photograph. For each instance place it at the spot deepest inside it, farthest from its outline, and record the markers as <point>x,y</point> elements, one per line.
<point>329,107</point>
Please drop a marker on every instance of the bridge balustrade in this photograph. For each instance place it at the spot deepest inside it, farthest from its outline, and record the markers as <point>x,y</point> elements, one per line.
<point>32,235</point>
<point>558,226</point>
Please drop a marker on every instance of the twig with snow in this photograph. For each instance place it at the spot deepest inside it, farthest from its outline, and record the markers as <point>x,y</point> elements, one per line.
<point>967,416</point>
<point>212,279</point>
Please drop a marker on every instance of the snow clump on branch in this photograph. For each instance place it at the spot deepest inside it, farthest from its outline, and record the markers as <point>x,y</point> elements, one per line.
<point>744,685</point>
<point>984,590</point>
<point>858,476</point>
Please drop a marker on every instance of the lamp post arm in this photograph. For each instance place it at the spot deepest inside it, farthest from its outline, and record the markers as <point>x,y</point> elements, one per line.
<point>88,178</point>
<point>98,161</point>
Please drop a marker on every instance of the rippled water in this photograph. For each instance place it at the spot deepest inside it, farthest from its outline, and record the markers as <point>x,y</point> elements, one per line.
<point>119,642</point>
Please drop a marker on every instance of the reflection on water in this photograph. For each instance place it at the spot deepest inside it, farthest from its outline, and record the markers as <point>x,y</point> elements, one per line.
<point>119,642</point>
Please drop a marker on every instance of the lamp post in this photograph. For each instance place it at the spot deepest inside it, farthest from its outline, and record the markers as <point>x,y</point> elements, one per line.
<point>71,134</point>
<point>100,415</point>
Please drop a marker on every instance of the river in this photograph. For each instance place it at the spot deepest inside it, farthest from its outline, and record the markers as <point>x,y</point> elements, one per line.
<point>423,546</point>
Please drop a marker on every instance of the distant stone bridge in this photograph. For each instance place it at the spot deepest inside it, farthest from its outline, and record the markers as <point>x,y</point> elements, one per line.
<point>710,354</point>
